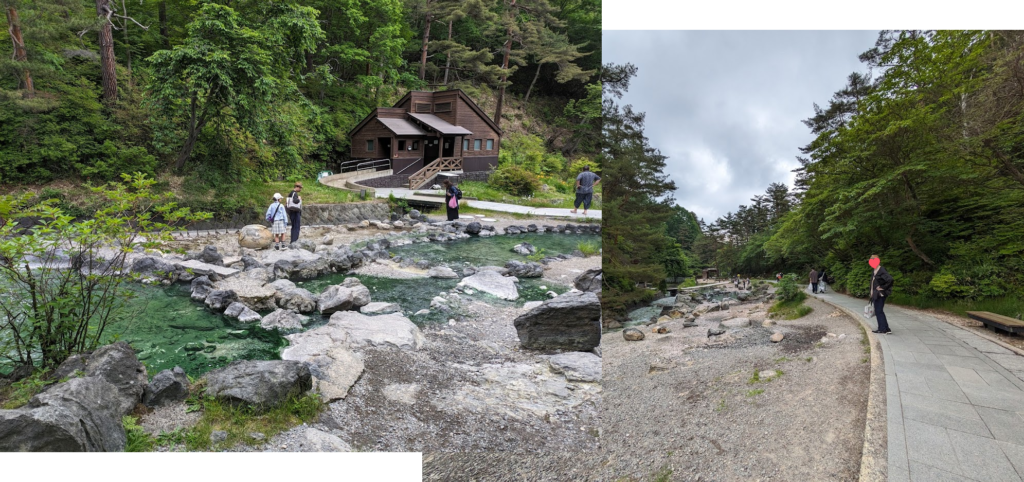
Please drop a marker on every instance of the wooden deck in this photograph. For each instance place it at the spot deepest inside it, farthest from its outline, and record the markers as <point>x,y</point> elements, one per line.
<point>996,321</point>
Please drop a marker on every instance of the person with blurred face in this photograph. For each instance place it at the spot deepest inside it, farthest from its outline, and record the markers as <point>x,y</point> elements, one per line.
<point>881,288</point>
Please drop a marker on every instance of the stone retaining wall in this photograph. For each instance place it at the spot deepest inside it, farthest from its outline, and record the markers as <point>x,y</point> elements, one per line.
<point>330,214</point>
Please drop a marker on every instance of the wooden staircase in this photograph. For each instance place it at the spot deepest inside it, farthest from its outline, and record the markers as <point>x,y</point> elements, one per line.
<point>421,177</point>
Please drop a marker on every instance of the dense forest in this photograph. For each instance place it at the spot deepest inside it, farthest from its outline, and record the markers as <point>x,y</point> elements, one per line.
<point>215,94</point>
<point>920,161</point>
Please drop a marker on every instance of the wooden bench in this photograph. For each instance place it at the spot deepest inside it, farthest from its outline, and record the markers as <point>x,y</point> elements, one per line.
<point>1005,323</point>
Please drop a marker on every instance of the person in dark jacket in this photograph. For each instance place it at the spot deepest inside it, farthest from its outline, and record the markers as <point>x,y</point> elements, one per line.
<point>881,288</point>
<point>451,192</point>
<point>814,280</point>
<point>294,206</point>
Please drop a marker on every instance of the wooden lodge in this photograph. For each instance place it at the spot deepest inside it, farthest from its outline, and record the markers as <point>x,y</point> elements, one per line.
<point>426,133</point>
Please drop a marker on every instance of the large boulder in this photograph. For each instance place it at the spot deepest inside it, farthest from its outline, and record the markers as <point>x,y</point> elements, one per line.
<point>349,295</point>
<point>590,280</point>
<point>167,387</point>
<point>255,236</point>
<point>571,321</point>
<point>493,283</point>
<point>118,365</point>
<point>250,292</point>
<point>524,249</point>
<point>259,383</point>
<point>241,313</point>
<point>80,415</point>
<point>473,228</point>
<point>333,365</point>
<point>382,330</point>
<point>201,288</point>
<point>296,299</point>
<point>153,267</point>
<point>219,300</point>
<point>210,255</point>
<point>524,270</point>
<point>442,272</point>
<point>283,320</point>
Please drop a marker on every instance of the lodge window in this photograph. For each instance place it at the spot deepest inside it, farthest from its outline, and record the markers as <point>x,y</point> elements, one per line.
<point>476,144</point>
<point>422,107</point>
<point>465,144</point>
<point>415,145</point>
<point>443,107</point>
<point>369,146</point>
<point>490,144</point>
<point>401,145</point>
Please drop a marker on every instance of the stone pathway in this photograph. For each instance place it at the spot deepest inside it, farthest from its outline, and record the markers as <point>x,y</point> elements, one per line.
<point>492,206</point>
<point>955,400</point>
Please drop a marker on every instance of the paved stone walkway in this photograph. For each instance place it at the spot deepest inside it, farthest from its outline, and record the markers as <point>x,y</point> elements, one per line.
<point>955,400</point>
<point>492,206</point>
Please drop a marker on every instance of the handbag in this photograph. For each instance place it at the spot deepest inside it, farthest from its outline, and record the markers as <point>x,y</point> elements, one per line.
<point>270,217</point>
<point>869,311</point>
<point>453,203</point>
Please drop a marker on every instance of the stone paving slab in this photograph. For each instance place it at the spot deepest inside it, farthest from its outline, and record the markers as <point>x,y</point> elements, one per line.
<point>955,400</point>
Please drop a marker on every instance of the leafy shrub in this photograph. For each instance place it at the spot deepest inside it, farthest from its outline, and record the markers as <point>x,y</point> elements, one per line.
<point>588,248</point>
<point>115,161</point>
<point>789,289</point>
<point>576,166</point>
<point>514,180</point>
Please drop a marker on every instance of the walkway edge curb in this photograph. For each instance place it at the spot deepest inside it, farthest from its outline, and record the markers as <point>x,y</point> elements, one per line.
<point>873,463</point>
<point>982,334</point>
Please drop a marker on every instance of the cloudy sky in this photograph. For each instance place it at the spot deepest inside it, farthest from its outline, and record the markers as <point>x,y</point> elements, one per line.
<point>726,106</point>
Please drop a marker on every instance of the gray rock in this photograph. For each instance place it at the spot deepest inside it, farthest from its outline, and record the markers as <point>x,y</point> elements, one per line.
<point>153,267</point>
<point>737,323</point>
<point>590,280</point>
<point>632,334</point>
<point>258,383</point>
<point>210,255</point>
<point>168,386</point>
<point>347,296</point>
<point>201,287</point>
<point>382,330</point>
<point>524,270</point>
<point>283,320</point>
<point>249,292</point>
<point>404,393</point>
<point>296,299</point>
<point>200,268</point>
<point>716,330</point>
<point>380,308</point>
<point>118,365</point>
<point>251,263</point>
<point>443,272</point>
<point>473,228</point>
<point>309,439</point>
<point>568,322</point>
<point>493,283</point>
<point>219,300</point>
<point>281,285</point>
<point>524,249</point>
<point>218,436</point>
<point>777,337</point>
<point>304,244</point>
<point>332,363</point>
<point>529,305</point>
<point>577,366</point>
<point>241,313</point>
<point>261,275</point>
<point>80,415</point>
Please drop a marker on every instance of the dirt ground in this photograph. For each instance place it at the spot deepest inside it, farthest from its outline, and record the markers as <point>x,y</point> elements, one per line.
<point>681,406</point>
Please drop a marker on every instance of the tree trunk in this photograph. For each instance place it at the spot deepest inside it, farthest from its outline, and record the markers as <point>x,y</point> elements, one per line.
<point>162,13</point>
<point>918,252</point>
<point>426,40</point>
<point>504,77</point>
<point>20,54</point>
<point>107,60</point>
<point>195,125</point>
<point>448,61</point>
<point>535,76</point>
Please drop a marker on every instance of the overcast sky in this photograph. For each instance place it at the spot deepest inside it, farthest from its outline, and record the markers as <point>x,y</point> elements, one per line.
<point>726,106</point>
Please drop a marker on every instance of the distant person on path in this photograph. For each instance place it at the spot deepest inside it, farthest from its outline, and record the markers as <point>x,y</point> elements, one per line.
<point>294,206</point>
<point>585,183</point>
<point>814,280</point>
<point>451,193</point>
<point>277,215</point>
<point>881,288</point>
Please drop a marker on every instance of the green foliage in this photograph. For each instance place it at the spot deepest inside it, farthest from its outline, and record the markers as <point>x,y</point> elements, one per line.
<point>240,421</point>
<point>50,311</point>
<point>588,248</point>
<point>398,205</point>
<point>137,438</point>
<point>790,290</point>
<point>539,255</point>
<point>755,392</point>
<point>514,180</point>
<point>20,392</point>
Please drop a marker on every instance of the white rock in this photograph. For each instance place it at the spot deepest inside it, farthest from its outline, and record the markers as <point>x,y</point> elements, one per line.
<point>493,283</point>
<point>404,393</point>
<point>382,330</point>
<point>737,323</point>
<point>529,305</point>
<point>380,308</point>
<point>335,367</point>
<point>577,366</point>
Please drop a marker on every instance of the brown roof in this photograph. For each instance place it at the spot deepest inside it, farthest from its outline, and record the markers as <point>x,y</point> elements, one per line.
<point>440,125</point>
<point>402,127</point>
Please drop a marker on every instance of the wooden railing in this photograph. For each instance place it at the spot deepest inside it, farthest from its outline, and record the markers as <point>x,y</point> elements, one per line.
<point>419,178</point>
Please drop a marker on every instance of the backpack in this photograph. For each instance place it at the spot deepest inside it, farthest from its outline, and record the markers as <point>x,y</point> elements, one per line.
<point>458,193</point>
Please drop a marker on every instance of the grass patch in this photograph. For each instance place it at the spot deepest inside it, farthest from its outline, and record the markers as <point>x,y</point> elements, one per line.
<point>662,475</point>
<point>19,393</point>
<point>688,283</point>
<point>240,421</point>
<point>809,359</point>
<point>756,377</point>
<point>463,209</point>
<point>588,248</point>
<point>137,438</point>
<point>791,310</point>
<point>755,392</point>
<point>781,360</point>
<point>721,406</point>
<point>539,199</point>
<point>1006,306</point>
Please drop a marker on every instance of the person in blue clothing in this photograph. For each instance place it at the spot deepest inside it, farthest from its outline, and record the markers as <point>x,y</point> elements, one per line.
<point>278,215</point>
<point>450,191</point>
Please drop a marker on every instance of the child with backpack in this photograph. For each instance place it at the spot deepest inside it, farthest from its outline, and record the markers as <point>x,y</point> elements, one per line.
<point>277,216</point>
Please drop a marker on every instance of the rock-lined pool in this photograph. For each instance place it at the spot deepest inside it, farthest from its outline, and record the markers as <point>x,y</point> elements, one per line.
<point>168,328</point>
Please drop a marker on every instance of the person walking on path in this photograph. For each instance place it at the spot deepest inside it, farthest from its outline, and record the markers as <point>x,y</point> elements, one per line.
<point>452,195</point>
<point>294,206</point>
<point>585,183</point>
<point>881,288</point>
<point>279,218</point>
<point>814,280</point>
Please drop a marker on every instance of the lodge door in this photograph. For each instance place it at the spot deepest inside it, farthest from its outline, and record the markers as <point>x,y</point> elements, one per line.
<point>448,147</point>
<point>430,150</point>
<point>385,148</point>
